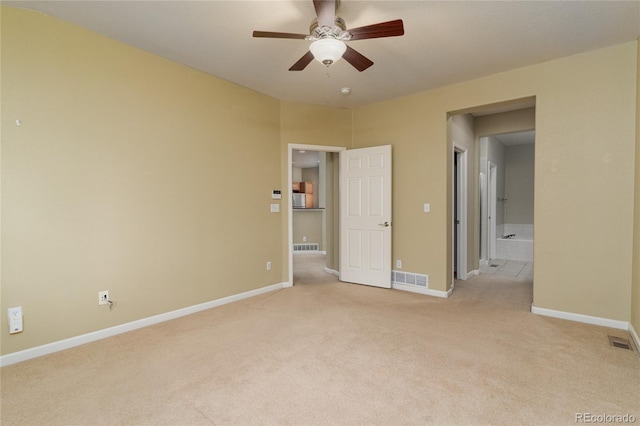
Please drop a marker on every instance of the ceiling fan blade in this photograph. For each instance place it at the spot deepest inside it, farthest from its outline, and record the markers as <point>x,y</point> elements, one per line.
<point>326,12</point>
<point>302,62</point>
<point>383,29</point>
<point>358,60</point>
<point>269,34</point>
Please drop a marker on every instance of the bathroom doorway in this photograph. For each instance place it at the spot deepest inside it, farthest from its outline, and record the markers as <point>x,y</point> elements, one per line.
<point>509,161</point>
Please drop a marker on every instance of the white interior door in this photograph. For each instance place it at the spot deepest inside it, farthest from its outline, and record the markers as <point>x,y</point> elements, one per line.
<point>365,216</point>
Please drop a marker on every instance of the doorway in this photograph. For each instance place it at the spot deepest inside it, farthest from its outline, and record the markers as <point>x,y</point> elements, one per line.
<point>325,213</point>
<point>362,208</point>
<point>510,164</point>
<point>493,206</point>
<point>459,212</point>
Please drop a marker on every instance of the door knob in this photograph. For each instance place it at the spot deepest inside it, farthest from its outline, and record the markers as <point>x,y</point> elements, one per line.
<point>386,224</point>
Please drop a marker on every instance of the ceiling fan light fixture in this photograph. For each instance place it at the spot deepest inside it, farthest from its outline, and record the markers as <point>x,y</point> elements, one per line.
<point>327,50</point>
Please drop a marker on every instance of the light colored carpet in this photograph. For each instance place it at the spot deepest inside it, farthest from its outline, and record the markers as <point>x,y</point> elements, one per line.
<point>325,352</point>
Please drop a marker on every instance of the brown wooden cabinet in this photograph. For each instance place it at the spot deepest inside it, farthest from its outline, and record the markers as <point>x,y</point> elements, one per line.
<point>307,189</point>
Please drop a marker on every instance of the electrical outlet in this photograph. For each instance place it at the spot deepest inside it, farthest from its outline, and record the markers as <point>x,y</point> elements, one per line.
<point>103,297</point>
<point>304,239</point>
<point>15,320</point>
<point>399,264</point>
<point>268,266</point>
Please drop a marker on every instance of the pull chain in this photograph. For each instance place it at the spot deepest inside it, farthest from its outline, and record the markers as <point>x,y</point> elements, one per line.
<point>327,86</point>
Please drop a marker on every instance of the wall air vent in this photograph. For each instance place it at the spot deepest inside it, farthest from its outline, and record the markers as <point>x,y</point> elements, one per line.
<point>407,278</point>
<point>306,247</point>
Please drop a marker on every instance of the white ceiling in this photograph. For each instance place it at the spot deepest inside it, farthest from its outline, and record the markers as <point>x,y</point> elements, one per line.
<point>445,41</point>
<point>305,159</point>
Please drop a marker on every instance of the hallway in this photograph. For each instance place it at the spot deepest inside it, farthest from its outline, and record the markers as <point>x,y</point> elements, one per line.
<point>509,268</point>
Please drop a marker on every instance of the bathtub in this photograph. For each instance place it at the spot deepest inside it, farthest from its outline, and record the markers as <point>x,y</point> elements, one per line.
<point>519,247</point>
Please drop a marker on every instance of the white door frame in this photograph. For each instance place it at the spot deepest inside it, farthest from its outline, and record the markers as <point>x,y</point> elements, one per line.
<point>461,201</point>
<point>291,147</point>
<point>492,209</point>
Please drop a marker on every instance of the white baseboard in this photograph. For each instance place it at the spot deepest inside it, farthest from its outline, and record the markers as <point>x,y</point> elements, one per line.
<point>332,271</point>
<point>421,290</point>
<point>473,273</point>
<point>587,319</point>
<point>71,342</point>
<point>634,336</point>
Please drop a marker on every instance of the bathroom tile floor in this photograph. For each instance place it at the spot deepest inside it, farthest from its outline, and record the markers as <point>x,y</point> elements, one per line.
<point>509,268</point>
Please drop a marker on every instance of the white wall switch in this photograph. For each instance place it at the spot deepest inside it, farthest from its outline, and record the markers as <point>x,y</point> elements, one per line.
<point>275,208</point>
<point>427,208</point>
<point>15,320</point>
<point>268,266</point>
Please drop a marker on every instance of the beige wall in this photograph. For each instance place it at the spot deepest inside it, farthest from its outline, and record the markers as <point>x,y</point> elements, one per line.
<point>309,125</point>
<point>308,223</point>
<point>124,176</point>
<point>518,183</point>
<point>519,120</point>
<point>581,101</point>
<point>635,293</point>
<point>496,154</point>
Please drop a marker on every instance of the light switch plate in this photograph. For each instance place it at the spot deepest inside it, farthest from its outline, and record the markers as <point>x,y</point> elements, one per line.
<point>275,208</point>
<point>427,208</point>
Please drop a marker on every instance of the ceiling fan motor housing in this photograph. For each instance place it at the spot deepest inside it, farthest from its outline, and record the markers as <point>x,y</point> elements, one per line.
<point>339,26</point>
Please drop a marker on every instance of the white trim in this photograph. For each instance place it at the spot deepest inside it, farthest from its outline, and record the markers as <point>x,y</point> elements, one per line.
<point>587,319</point>
<point>421,290</point>
<point>473,273</point>
<point>461,153</point>
<point>634,336</point>
<point>290,149</point>
<point>332,271</point>
<point>71,342</point>
<point>492,194</point>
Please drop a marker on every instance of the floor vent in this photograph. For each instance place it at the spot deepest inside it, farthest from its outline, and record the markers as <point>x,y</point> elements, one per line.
<point>306,247</point>
<point>619,342</point>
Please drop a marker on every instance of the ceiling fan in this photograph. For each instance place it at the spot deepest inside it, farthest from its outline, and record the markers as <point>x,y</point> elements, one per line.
<point>329,34</point>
